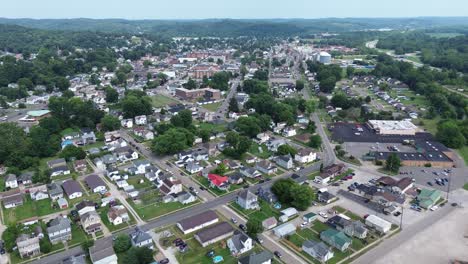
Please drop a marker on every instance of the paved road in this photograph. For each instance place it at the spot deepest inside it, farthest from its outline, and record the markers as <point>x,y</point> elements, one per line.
<point>223,109</point>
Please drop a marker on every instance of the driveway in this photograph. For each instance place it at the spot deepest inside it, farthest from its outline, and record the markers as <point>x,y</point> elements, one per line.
<point>168,253</point>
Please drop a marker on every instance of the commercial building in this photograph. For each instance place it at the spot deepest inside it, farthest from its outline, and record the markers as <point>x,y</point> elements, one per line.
<point>378,224</point>
<point>199,221</point>
<point>393,127</point>
<point>209,94</point>
<point>214,234</point>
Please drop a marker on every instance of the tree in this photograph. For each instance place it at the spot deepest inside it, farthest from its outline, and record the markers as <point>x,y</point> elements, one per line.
<point>393,163</point>
<point>112,96</point>
<point>286,149</point>
<point>281,189</point>
<point>248,126</point>
<point>233,105</point>
<point>349,71</point>
<point>368,99</point>
<point>190,84</point>
<point>450,134</point>
<point>261,75</point>
<point>173,141</point>
<point>238,145</point>
<point>310,106</point>
<point>327,85</point>
<point>254,227</point>
<point>70,152</point>
<point>182,119</point>
<point>138,255</point>
<point>110,123</point>
<point>45,245</point>
<point>9,237</point>
<point>122,243</point>
<point>12,139</point>
<point>311,127</point>
<point>134,106</point>
<point>43,144</point>
<point>299,85</point>
<point>52,124</point>
<point>302,196</point>
<point>204,134</point>
<point>62,83</point>
<point>315,141</point>
<point>221,169</point>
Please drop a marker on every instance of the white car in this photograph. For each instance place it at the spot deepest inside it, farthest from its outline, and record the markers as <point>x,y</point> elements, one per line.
<point>323,214</point>
<point>433,208</point>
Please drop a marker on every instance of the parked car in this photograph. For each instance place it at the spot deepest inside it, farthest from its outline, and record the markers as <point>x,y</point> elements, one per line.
<point>234,220</point>
<point>277,254</point>
<point>242,227</point>
<point>430,183</point>
<point>164,261</point>
<point>323,214</point>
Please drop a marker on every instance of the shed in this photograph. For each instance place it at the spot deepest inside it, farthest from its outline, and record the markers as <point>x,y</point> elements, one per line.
<point>284,230</point>
<point>309,217</point>
<point>291,211</point>
<point>378,223</point>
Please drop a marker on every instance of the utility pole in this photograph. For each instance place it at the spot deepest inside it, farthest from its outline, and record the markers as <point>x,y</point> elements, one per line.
<point>401,218</point>
<point>448,184</point>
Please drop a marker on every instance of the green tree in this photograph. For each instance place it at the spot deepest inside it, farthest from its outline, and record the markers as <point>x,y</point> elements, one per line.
<point>233,105</point>
<point>45,245</point>
<point>299,85</point>
<point>311,127</point>
<point>173,141</point>
<point>190,84</point>
<point>450,134</point>
<point>134,106</point>
<point>110,123</point>
<point>52,124</point>
<point>315,141</point>
<point>182,119</point>
<point>122,243</point>
<point>43,144</point>
<point>112,96</point>
<point>71,151</point>
<point>393,163</point>
<point>327,85</point>
<point>286,149</point>
<point>254,227</point>
<point>248,126</point>
<point>302,196</point>
<point>221,169</point>
<point>204,134</point>
<point>310,106</point>
<point>12,139</point>
<point>9,237</point>
<point>281,188</point>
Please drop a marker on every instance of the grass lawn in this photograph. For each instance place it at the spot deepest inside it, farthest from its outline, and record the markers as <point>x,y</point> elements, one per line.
<point>309,234</point>
<point>98,144</point>
<point>161,100</point>
<point>264,153</point>
<point>135,181</point>
<point>318,226</point>
<point>265,211</point>
<point>29,209</point>
<point>465,186</point>
<point>212,127</point>
<point>78,235</point>
<point>157,209</point>
<point>464,153</point>
<point>196,254</point>
<point>313,175</point>
<point>212,107</point>
<point>296,240</point>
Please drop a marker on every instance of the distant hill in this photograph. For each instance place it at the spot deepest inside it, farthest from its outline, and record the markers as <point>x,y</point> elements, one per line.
<point>237,27</point>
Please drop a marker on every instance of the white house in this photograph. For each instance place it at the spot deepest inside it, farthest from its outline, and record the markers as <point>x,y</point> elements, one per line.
<point>305,156</point>
<point>118,215</point>
<point>11,181</point>
<point>140,120</point>
<point>240,243</point>
<point>39,193</point>
<point>289,132</point>
<point>126,123</point>
<point>263,137</point>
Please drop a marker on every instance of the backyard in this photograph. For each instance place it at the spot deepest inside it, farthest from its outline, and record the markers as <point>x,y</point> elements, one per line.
<point>29,209</point>
<point>265,211</point>
<point>212,107</point>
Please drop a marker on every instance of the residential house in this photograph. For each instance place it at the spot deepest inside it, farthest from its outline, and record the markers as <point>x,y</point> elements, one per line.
<point>317,250</point>
<point>111,136</point>
<point>59,230</point>
<point>325,197</point>
<point>91,222</point>
<point>263,257</point>
<point>143,133</point>
<point>336,239</point>
<point>88,137</point>
<point>287,213</point>
<point>285,161</point>
<point>349,227</point>
<point>11,181</point>
<point>125,154</point>
<point>247,200</point>
<point>305,155</point>
<point>239,243</point>
<point>38,193</point>
<point>103,252</point>
<point>262,138</point>
<point>118,214</point>
<point>330,172</point>
<point>85,207</point>
<point>400,186</point>
<point>265,166</point>
<point>250,172</point>
<point>58,167</point>
<point>309,217</point>
<point>196,222</point>
<point>217,181</point>
<point>140,120</point>
<point>267,195</point>
<point>140,238</point>
<point>72,189</point>
<point>232,164</point>
<point>289,132</point>
<point>96,184</point>
<point>126,123</point>
<point>28,246</point>
<point>215,233</point>
<point>77,259</point>
<point>12,198</point>
<point>269,223</point>
<point>193,167</point>
<point>428,198</point>
<point>250,159</point>
<point>236,178</point>
<point>273,144</point>
<point>141,166</point>
<point>186,197</point>
<point>55,191</point>
<point>171,186</point>
<point>25,178</point>
<point>81,165</point>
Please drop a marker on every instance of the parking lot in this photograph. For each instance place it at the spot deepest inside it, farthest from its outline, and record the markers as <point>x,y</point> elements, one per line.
<point>457,177</point>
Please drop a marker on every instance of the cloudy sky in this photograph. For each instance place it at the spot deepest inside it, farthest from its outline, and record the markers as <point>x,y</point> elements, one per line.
<point>195,9</point>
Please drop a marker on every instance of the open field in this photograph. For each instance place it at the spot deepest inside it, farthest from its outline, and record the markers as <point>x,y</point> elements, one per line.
<point>161,100</point>
<point>212,107</point>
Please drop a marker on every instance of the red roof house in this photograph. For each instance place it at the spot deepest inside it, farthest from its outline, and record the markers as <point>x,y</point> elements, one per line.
<point>220,182</point>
